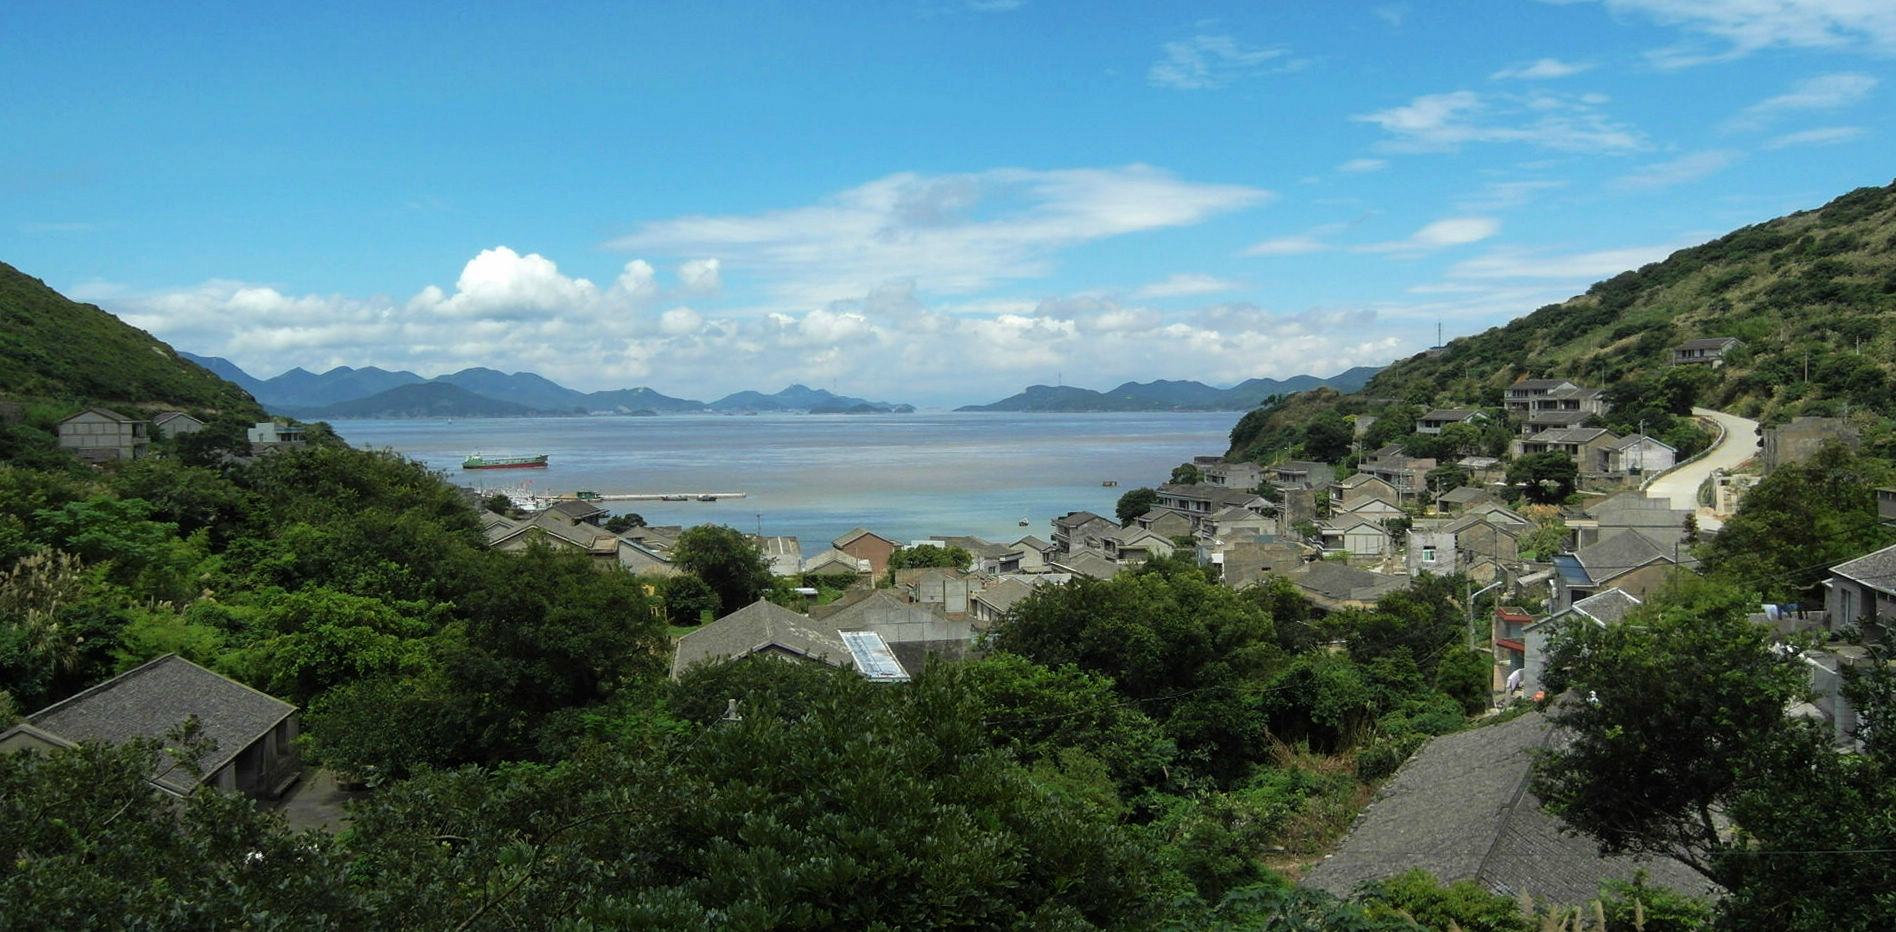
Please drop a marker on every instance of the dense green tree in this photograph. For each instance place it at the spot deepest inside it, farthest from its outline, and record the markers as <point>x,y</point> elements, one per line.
<point>1328,438</point>
<point>1545,478</point>
<point>688,599</point>
<point>1798,521</point>
<point>1134,503</point>
<point>727,559</point>
<point>621,523</point>
<point>1187,474</point>
<point>1669,711</point>
<point>928,555</point>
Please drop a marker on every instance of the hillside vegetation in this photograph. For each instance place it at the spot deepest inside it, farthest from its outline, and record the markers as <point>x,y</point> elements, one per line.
<point>55,348</point>
<point>1810,294</point>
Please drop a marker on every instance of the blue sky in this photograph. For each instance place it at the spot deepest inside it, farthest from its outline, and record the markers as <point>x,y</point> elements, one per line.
<point>935,202</point>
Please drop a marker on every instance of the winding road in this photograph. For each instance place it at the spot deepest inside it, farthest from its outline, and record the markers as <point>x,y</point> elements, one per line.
<point>1681,485</point>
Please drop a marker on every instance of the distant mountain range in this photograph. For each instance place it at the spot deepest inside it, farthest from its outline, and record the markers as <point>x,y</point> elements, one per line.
<point>1167,395</point>
<point>344,392</point>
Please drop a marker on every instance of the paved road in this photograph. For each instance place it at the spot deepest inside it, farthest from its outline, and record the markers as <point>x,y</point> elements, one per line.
<point>1681,485</point>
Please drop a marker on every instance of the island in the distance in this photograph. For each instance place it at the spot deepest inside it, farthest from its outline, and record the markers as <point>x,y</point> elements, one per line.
<point>1168,395</point>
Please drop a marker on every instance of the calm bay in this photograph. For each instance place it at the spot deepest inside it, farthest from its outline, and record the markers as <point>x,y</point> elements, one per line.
<point>904,476</point>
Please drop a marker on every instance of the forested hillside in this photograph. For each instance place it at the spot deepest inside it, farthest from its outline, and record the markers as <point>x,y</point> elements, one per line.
<point>55,348</point>
<point>1810,295</point>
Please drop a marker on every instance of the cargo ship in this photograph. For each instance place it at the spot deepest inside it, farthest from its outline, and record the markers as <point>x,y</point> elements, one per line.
<point>477,461</point>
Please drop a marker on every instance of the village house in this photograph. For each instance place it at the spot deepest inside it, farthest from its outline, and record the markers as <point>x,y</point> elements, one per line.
<point>1607,607</point>
<point>170,424</point>
<point>1198,501</point>
<point>761,628</point>
<point>1461,497</point>
<point>1405,474</point>
<point>1587,446</point>
<point>252,734</point>
<point>1798,441</point>
<point>1432,551</point>
<point>99,435</point>
<point>1433,422</point>
<point>1136,546</point>
<point>1629,561</point>
<point>1080,530</point>
<point>1360,485</point>
<point>1361,537</point>
<point>271,436</point>
<point>1166,523</point>
<point>864,544</point>
<point>992,604</point>
<point>1655,518</point>
<point>1862,593</point>
<point>1637,455</point>
<point>834,562</point>
<point>1027,555</point>
<point>1091,564</point>
<point>1244,563</point>
<point>1332,586</point>
<point>1243,476</point>
<point>915,632</point>
<point>1519,397</point>
<point>1301,474</point>
<point>946,589</point>
<point>1709,351</point>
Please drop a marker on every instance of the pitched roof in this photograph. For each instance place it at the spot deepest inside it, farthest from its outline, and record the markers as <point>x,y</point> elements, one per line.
<point>106,413</point>
<point>1708,343</point>
<point>1607,607</point>
<point>1876,570</point>
<point>757,627</point>
<point>1338,583</point>
<point>1002,595</point>
<point>1571,435</point>
<point>1033,543</point>
<point>149,700</point>
<point>576,509</point>
<point>1461,810</point>
<point>1450,414</point>
<point>1088,563</point>
<point>855,533</point>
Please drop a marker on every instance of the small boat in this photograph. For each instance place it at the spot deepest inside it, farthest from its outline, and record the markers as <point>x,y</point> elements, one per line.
<point>671,498</point>
<point>477,461</point>
<point>1023,522</point>
<point>707,498</point>
<point>1110,483</point>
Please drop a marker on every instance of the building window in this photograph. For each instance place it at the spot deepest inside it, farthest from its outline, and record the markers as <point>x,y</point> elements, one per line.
<point>1428,554</point>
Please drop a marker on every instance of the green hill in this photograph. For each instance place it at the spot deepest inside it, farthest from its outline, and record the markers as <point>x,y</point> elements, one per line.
<point>55,348</point>
<point>1810,294</point>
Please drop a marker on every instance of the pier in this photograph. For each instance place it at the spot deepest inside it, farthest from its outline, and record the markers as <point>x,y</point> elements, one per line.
<point>643,496</point>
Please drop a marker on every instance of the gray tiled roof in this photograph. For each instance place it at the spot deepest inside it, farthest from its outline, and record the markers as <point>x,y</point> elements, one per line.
<point>1460,809</point>
<point>1338,582</point>
<point>147,701</point>
<point>1876,570</point>
<point>1608,607</point>
<point>760,626</point>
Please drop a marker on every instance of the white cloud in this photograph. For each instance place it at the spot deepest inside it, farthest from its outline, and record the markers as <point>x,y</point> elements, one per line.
<point>1824,92</point>
<point>1438,122</point>
<point>1300,244</point>
<point>700,276</point>
<point>950,234</point>
<point>680,320</point>
<point>1540,70</point>
<point>1682,170</point>
<point>1203,62</point>
<point>1454,231</point>
<point>1740,27</point>
<point>1360,166</point>
<point>1825,136</point>
<point>1579,267</point>
<point>1184,284</point>
<point>1501,195</point>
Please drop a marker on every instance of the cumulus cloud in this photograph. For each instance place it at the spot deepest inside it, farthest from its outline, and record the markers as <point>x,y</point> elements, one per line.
<point>1824,92</point>
<point>700,276</point>
<point>951,234</point>
<point>1540,70</point>
<point>1561,122</point>
<point>1737,29</point>
<point>1682,170</point>
<point>1202,62</point>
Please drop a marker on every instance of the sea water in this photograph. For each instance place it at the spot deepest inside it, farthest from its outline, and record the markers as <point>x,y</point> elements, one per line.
<point>904,476</point>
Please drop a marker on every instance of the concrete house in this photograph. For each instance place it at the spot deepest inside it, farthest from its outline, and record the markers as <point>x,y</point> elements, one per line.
<point>1710,351</point>
<point>1198,501</point>
<point>1334,587</point>
<point>1358,486</point>
<point>169,424</point>
<point>834,562</point>
<point>1136,546</point>
<point>1519,397</point>
<point>1606,608</point>
<point>551,529</point>
<point>1165,523</point>
<point>1637,455</point>
<point>761,629</point>
<point>269,436</point>
<point>1862,592</point>
<point>1301,474</point>
<point>867,545</point>
<point>914,631</point>
<point>1461,497</point>
<point>1629,561</point>
<point>1432,552</point>
<point>1629,511</point>
<point>1361,537</point>
<point>1242,476</point>
<point>99,435</point>
<point>1587,446</point>
<point>1434,421</point>
<point>1800,440</point>
<point>252,734</point>
<point>1080,530</point>
<point>990,605</point>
